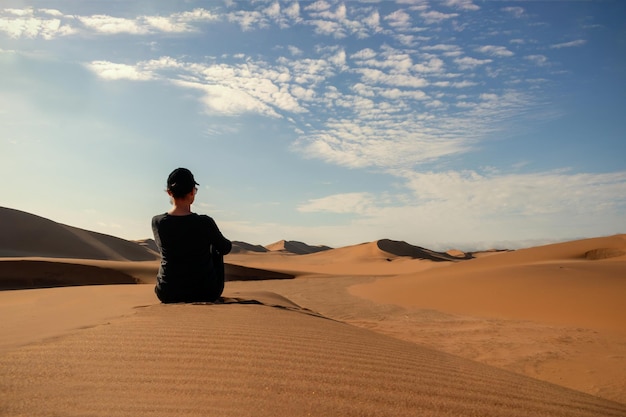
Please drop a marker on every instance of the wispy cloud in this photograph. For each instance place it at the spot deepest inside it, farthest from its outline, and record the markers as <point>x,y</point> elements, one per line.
<point>31,23</point>
<point>49,23</point>
<point>113,71</point>
<point>462,4</point>
<point>466,62</point>
<point>358,203</point>
<point>515,11</point>
<point>493,50</point>
<point>537,59</point>
<point>525,194</point>
<point>452,206</point>
<point>571,44</point>
<point>113,25</point>
<point>433,16</point>
<point>400,20</point>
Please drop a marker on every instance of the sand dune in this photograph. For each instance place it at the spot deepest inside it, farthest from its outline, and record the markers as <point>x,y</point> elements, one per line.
<point>25,273</point>
<point>36,253</point>
<point>292,246</point>
<point>242,273</point>
<point>149,244</point>
<point>554,283</point>
<point>551,312</point>
<point>279,345</point>
<point>362,259</point>
<point>25,234</point>
<point>243,247</point>
<point>399,248</point>
<point>35,272</point>
<point>247,358</point>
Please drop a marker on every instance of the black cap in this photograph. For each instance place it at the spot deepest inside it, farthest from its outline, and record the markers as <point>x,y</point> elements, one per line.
<point>181,181</point>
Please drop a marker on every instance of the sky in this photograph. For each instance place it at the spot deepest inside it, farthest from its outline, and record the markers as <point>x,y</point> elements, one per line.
<point>460,124</point>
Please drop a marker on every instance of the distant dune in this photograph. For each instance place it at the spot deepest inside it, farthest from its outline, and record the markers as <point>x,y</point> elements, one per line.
<point>149,244</point>
<point>243,247</point>
<point>25,234</point>
<point>36,252</point>
<point>242,273</point>
<point>579,282</point>
<point>292,246</point>
<point>400,248</point>
<point>28,274</point>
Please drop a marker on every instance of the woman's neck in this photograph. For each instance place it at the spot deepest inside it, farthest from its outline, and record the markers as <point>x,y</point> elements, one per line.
<point>180,210</point>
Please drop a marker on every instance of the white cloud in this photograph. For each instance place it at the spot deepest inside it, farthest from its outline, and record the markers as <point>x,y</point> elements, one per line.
<point>369,75</point>
<point>373,21</point>
<point>273,10</point>
<point>51,23</point>
<point>432,65</point>
<point>19,12</point>
<point>521,194</point>
<point>226,89</point>
<point>112,71</point>
<point>339,14</point>
<point>196,15</point>
<point>364,54</point>
<point>179,22</point>
<point>112,25</point>
<point>248,20</point>
<point>406,40</point>
<point>164,24</point>
<point>341,21</point>
<point>327,27</point>
<point>399,20</point>
<point>451,209</point>
<point>396,94</point>
<point>294,50</point>
<point>446,50</point>
<point>461,4</point>
<point>578,42</point>
<point>358,203</point>
<point>504,210</point>
<point>219,99</point>
<point>539,60</point>
<point>515,11</point>
<point>28,23</point>
<point>434,16</point>
<point>362,143</point>
<point>51,12</point>
<point>317,6</point>
<point>494,50</point>
<point>293,11</point>
<point>470,63</point>
<point>339,58</point>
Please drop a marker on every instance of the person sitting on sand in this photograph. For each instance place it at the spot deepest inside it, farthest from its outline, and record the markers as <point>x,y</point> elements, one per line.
<point>191,245</point>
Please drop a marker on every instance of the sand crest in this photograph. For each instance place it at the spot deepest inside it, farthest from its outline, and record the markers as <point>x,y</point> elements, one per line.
<point>254,360</point>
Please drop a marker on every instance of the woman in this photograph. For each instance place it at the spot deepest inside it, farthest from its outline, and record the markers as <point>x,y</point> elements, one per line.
<point>191,245</point>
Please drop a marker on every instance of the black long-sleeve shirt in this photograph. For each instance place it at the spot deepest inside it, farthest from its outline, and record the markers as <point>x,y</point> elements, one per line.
<point>186,244</point>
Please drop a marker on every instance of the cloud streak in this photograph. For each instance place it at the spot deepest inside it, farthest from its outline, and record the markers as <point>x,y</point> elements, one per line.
<point>571,44</point>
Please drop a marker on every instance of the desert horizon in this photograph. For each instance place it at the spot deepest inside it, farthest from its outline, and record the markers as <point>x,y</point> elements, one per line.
<point>542,329</point>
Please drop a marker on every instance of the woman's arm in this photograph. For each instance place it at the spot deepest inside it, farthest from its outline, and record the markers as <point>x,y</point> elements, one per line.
<point>219,242</point>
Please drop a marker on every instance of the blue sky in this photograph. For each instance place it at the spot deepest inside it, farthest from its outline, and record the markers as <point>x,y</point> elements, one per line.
<point>447,124</point>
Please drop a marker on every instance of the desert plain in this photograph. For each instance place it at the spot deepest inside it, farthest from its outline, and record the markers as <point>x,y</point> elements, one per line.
<point>381,328</point>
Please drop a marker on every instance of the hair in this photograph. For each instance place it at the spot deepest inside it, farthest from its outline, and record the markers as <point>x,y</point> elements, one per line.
<point>180,191</point>
<point>180,182</point>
